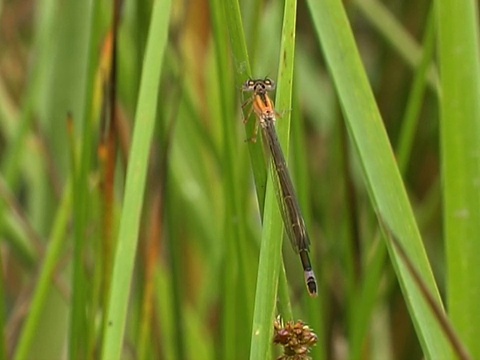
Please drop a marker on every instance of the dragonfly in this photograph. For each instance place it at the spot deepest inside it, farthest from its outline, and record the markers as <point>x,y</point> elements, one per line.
<point>293,220</point>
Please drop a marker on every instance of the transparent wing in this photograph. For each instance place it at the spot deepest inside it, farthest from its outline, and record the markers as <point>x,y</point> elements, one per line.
<point>284,190</point>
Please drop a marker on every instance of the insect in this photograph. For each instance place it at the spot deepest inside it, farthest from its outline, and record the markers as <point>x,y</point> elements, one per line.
<point>293,221</point>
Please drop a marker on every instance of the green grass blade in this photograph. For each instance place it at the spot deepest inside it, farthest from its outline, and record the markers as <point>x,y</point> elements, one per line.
<point>272,232</point>
<point>459,57</point>
<point>135,182</point>
<point>44,283</point>
<point>382,176</point>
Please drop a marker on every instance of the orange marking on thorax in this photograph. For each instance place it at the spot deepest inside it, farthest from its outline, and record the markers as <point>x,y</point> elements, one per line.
<point>262,105</point>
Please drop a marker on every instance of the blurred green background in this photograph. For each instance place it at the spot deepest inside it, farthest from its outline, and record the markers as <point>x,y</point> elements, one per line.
<point>131,203</point>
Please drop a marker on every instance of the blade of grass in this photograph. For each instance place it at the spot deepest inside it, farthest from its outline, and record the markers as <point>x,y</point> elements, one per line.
<point>435,307</point>
<point>458,37</point>
<point>135,182</point>
<point>44,282</point>
<point>367,299</point>
<point>385,186</point>
<point>272,232</point>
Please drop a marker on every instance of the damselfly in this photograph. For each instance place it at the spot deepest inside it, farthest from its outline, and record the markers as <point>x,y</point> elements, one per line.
<point>287,199</point>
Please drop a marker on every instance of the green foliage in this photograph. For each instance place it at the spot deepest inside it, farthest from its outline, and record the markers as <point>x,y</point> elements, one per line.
<point>199,267</point>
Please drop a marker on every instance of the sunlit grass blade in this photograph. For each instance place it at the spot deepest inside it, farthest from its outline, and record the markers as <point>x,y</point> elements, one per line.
<point>459,57</point>
<point>382,176</point>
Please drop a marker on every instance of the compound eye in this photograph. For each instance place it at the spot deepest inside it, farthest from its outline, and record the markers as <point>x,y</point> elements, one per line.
<point>269,84</point>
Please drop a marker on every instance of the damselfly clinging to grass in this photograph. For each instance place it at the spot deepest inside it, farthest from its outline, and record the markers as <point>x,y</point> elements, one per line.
<point>287,199</point>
